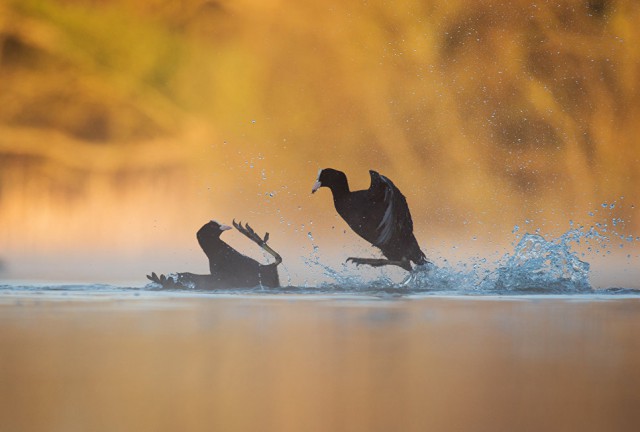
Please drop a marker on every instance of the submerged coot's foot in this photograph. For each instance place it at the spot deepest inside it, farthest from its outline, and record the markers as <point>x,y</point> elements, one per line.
<point>408,280</point>
<point>420,276</point>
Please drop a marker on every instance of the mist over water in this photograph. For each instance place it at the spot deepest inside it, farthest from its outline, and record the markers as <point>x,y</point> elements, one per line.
<point>536,265</point>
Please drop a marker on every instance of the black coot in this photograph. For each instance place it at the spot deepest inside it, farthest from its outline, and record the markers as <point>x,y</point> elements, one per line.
<point>380,215</point>
<point>228,267</point>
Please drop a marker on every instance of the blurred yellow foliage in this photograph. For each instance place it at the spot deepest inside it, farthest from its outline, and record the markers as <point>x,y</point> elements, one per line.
<point>484,113</point>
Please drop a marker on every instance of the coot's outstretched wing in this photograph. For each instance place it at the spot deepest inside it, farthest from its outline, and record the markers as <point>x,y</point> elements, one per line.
<point>396,224</point>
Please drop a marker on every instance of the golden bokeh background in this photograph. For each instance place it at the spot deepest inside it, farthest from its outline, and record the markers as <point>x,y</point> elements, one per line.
<point>127,124</point>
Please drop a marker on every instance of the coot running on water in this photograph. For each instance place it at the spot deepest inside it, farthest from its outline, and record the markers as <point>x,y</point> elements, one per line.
<point>379,215</point>
<point>228,267</point>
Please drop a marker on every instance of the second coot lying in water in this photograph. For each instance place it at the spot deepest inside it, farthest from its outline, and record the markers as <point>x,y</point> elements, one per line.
<point>228,267</point>
<point>380,215</point>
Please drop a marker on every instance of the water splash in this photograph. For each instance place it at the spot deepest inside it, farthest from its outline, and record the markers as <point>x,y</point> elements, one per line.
<point>539,265</point>
<point>536,265</point>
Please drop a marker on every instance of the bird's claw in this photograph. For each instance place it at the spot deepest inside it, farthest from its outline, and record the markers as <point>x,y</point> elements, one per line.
<point>162,280</point>
<point>357,261</point>
<point>153,277</point>
<point>249,232</point>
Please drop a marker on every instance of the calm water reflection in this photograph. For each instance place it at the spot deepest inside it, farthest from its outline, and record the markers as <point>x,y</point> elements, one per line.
<point>305,363</point>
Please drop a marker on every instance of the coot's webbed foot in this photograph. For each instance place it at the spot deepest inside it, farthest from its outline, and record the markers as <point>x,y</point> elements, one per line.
<point>165,282</point>
<point>379,262</point>
<point>251,234</point>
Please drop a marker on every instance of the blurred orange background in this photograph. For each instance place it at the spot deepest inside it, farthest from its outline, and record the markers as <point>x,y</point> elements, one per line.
<point>127,124</point>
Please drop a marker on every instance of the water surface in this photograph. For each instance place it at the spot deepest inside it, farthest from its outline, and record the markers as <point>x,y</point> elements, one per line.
<point>116,358</point>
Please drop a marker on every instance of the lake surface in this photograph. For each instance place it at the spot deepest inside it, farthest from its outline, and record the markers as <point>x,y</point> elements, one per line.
<point>109,358</point>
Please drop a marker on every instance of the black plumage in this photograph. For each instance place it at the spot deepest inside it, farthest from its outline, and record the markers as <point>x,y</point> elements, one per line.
<point>229,268</point>
<point>380,215</point>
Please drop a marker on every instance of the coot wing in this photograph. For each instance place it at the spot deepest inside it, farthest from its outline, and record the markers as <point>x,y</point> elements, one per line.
<point>396,223</point>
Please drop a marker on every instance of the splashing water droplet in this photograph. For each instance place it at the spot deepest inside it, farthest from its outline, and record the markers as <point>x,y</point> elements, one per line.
<point>541,265</point>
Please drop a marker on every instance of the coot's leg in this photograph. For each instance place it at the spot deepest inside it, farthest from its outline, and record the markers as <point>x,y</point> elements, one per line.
<point>251,234</point>
<point>379,262</point>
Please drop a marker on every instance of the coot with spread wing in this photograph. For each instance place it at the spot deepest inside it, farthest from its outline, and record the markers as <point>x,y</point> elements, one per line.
<point>380,215</point>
